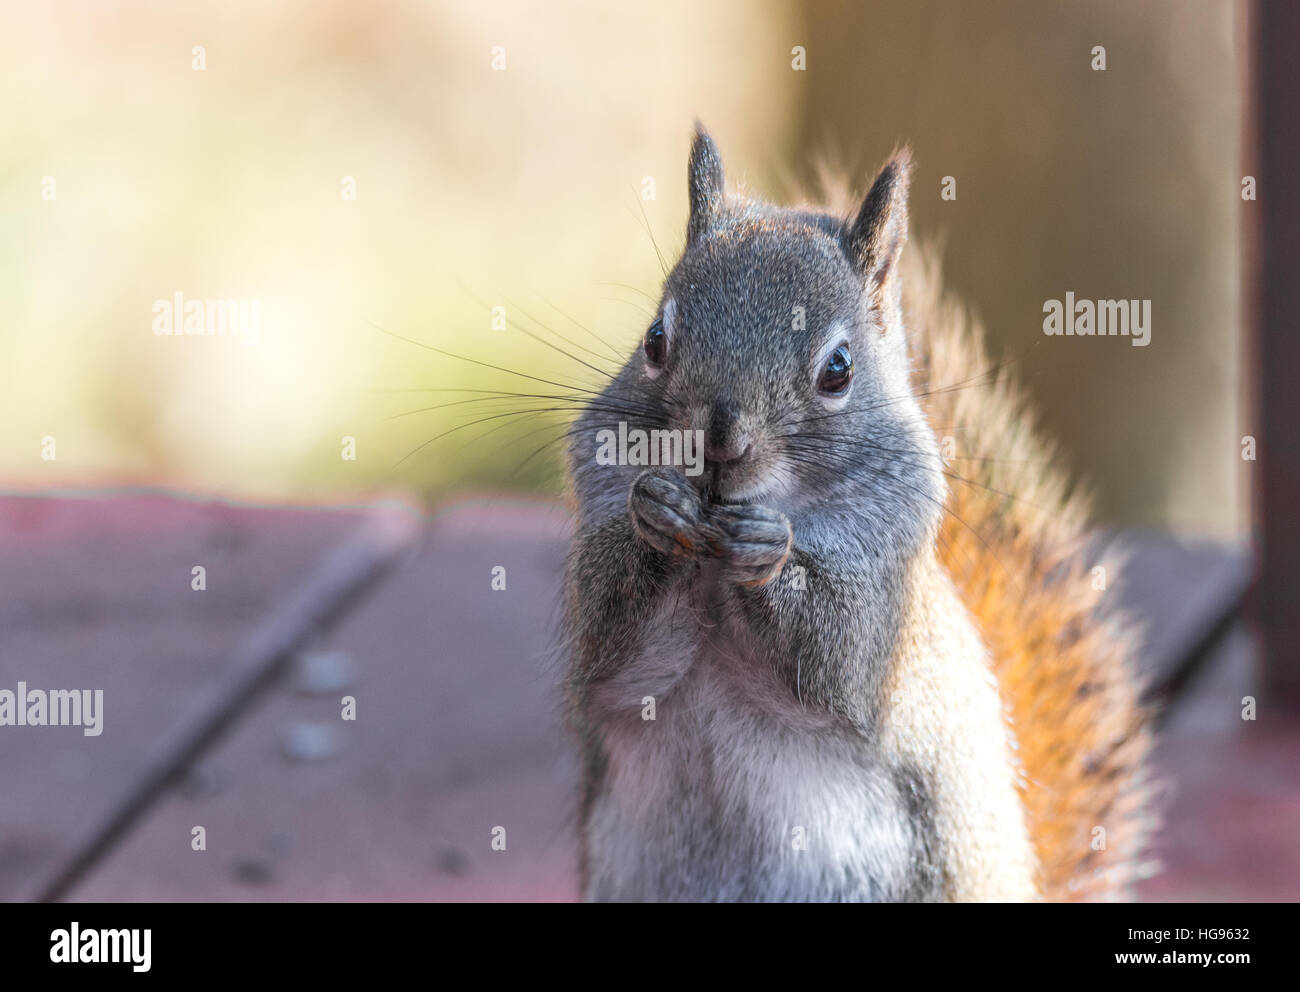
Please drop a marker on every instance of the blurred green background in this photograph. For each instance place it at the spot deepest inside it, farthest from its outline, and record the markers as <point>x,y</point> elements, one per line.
<point>526,188</point>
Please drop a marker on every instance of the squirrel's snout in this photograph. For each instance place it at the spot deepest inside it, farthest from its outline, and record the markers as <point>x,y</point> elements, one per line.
<point>727,453</point>
<point>726,441</point>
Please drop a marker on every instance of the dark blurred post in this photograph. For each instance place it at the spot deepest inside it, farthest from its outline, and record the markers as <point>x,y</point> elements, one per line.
<point>1276,87</point>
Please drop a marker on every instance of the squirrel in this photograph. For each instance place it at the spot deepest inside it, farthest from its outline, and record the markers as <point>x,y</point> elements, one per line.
<point>825,667</point>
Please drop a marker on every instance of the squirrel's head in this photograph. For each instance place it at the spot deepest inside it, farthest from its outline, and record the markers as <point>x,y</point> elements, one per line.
<point>780,335</point>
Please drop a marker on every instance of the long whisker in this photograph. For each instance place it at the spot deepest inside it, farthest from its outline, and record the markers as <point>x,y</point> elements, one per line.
<point>645,220</point>
<point>904,457</point>
<point>634,289</point>
<point>481,420</point>
<point>527,333</point>
<point>575,403</point>
<point>476,399</point>
<point>894,480</point>
<point>861,441</point>
<point>630,303</point>
<point>551,330</point>
<point>608,347</point>
<point>487,365</point>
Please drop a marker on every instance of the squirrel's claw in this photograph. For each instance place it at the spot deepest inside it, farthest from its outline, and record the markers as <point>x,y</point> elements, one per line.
<point>752,541</point>
<point>667,513</point>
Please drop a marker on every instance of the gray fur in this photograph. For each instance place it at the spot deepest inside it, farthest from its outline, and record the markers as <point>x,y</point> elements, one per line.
<point>767,696</point>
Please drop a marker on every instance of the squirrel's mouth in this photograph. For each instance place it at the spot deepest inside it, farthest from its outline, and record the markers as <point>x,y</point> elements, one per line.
<point>713,498</point>
<point>723,484</point>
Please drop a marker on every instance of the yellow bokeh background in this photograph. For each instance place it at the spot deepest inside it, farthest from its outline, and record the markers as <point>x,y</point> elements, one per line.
<point>526,188</point>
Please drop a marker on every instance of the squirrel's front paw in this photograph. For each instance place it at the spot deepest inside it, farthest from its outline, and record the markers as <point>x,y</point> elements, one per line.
<point>667,513</point>
<point>752,542</point>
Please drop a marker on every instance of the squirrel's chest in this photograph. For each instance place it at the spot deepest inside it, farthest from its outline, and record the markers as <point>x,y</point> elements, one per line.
<point>725,788</point>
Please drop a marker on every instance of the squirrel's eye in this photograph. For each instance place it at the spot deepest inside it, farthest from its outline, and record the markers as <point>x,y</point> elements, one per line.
<point>656,343</point>
<point>838,372</point>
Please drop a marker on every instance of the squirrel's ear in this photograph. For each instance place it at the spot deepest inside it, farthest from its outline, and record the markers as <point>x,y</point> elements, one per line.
<point>874,239</point>
<point>706,183</point>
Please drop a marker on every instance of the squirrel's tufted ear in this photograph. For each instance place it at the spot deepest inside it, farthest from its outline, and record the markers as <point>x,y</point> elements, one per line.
<point>706,183</point>
<point>874,239</point>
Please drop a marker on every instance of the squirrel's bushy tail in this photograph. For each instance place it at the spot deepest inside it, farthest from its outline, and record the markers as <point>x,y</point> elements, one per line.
<point>1013,542</point>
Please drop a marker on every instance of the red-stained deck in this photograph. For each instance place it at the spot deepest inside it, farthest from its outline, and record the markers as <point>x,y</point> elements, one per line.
<point>457,728</point>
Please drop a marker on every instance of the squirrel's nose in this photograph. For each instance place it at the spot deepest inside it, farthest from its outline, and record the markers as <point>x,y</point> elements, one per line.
<point>724,441</point>
<point>722,455</point>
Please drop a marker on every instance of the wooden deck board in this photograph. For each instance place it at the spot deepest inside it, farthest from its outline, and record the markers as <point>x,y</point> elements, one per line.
<point>457,728</point>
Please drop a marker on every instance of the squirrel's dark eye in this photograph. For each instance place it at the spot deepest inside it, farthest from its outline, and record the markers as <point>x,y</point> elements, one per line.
<point>838,372</point>
<point>656,343</point>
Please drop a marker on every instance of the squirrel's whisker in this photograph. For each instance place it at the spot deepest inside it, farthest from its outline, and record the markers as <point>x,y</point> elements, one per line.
<point>555,347</point>
<point>620,358</point>
<point>487,365</point>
